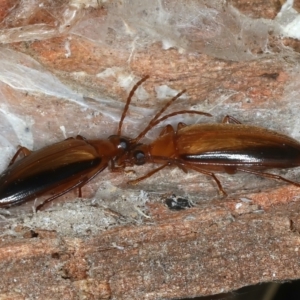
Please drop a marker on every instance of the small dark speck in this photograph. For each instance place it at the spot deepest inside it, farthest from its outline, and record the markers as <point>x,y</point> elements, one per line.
<point>270,75</point>
<point>55,255</point>
<point>292,226</point>
<point>177,203</point>
<point>31,234</point>
<point>27,129</point>
<point>34,234</point>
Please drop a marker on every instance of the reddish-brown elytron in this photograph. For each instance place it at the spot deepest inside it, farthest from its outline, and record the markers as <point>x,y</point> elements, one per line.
<point>227,147</point>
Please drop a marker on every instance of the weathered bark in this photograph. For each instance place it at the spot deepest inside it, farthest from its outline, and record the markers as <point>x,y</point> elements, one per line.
<point>116,246</point>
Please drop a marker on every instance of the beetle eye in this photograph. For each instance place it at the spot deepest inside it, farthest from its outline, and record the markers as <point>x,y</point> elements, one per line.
<point>139,157</point>
<point>123,144</point>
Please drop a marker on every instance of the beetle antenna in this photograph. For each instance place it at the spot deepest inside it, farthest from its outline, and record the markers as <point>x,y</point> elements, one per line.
<point>150,125</point>
<point>128,102</point>
<point>156,120</point>
<point>180,112</point>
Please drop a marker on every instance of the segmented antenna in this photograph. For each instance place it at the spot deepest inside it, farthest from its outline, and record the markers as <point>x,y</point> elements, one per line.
<point>156,120</point>
<point>128,102</point>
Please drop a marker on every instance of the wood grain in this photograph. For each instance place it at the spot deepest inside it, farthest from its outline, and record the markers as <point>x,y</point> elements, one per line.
<point>147,251</point>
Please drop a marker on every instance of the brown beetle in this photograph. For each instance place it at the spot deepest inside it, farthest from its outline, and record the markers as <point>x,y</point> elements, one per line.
<point>64,166</point>
<point>226,147</point>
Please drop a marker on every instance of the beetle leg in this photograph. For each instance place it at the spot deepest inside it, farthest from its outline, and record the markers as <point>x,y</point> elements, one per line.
<point>207,173</point>
<point>120,167</point>
<point>268,175</point>
<point>24,151</point>
<point>117,169</point>
<point>69,138</point>
<point>230,120</point>
<point>148,174</point>
<point>79,192</point>
<point>180,125</point>
<point>166,130</point>
<point>78,185</point>
<point>182,167</point>
<point>80,137</point>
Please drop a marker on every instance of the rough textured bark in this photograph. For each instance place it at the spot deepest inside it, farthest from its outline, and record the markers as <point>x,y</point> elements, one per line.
<point>123,242</point>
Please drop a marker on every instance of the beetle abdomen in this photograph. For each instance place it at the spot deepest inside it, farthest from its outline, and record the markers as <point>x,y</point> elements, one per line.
<point>14,191</point>
<point>237,145</point>
<point>283,156</point>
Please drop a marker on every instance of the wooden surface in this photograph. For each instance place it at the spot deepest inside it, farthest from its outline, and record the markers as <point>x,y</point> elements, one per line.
<point>123,242</point>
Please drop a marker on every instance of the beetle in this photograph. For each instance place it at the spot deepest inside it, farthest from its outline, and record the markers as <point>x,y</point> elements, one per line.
<point>228,147</point>
<point>59,168</point>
